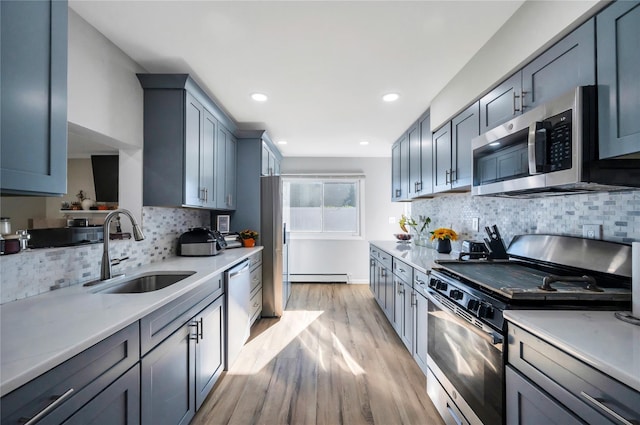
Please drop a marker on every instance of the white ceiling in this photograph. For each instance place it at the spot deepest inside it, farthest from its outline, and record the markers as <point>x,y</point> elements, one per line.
<point>323,64</point>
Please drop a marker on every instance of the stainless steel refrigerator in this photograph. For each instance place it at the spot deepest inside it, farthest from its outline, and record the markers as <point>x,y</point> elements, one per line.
<point>276,286</point>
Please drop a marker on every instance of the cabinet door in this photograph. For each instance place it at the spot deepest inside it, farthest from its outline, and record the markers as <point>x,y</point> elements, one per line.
<point>194,124</point>
<point>501,104</point>
<point>426,156</point>
<point>404,167</point>
<point>208,160</point>
<point>398,311</point>
<point>414,161</point>
<point>372,275</point>
<point>420,327</point>
<point>396,177</point>
<point>569,63</point>
<point>167,385</point>
<point>442,159</point>
<point>33,113</point>
<point>231,153</point>
<point>276,167</point>
<point>618,28</point>
<point>528,404</point>
<point>388,294</point>
<point>464,128</point>
<point>209,349</point>
<point>407,316</point>
<point>118,404</point>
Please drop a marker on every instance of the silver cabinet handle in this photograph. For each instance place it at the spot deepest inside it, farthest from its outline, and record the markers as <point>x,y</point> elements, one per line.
<point>57,400</point>
<point>241,270</point>
<point>201,328</point>
<point>398,193</point>
<point>515,109</point>
<point>195,324</point>
<point>452,173</point>
<point>522,95</point>
<point>446,177</point>
<point>419,282</point>
<point>256,304</point>
<point>401,270</point>
<point>600,405</point>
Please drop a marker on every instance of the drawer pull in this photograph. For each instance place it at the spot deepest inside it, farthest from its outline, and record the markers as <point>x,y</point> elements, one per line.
<point>195,324</point>
<point>255,305</point>
<point>401,270</point>
<point>57,400</point>
<point>597,403</point>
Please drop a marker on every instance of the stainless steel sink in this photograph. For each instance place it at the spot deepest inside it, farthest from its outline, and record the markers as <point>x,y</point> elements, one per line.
<point>145,282</point>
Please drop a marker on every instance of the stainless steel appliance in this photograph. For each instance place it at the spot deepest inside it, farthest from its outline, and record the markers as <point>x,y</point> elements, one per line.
<point>553,148</point>
<point>237,290</point>
<point>467,332</point>
<point>276,286</point>
<point>201,242</point>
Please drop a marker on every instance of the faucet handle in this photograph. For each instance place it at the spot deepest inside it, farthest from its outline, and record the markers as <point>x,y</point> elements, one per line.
<point>117,261</point>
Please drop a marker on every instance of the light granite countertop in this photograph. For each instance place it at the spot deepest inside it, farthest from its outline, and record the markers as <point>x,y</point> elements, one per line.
<point>419,257</point>
<point>597,338</point>
<point>40,332</point>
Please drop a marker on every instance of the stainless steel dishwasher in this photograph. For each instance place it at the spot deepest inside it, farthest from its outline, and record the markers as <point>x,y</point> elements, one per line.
<point>237,289</point>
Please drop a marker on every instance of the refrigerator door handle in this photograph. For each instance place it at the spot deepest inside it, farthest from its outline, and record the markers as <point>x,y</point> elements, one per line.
<point>284,234</point>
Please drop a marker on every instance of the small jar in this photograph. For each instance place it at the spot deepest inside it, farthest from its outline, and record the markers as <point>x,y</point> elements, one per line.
<point>5,225</point>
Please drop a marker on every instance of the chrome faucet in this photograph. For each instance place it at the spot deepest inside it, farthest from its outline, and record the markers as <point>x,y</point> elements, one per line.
<point>105,268</point>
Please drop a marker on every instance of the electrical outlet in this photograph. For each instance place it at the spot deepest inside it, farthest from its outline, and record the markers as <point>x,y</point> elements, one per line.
<point>475,224</point>
<point>392,220</point>
<point>592,231</point>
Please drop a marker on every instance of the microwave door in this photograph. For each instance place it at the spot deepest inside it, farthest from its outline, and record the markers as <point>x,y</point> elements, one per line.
<point>537,146</point>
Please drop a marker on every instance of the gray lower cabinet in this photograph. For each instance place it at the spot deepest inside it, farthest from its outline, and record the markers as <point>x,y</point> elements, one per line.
<point>118,404</point>
<point>33,140</point>
<point>421,311</point>
<point>527,404</point>
<point>553,375</point>
<point>209,348</point>
<point>255,301</point>
<point>398,301</point>
<point>618,29</point>
<point>64,391</point>
<point>406,333</point>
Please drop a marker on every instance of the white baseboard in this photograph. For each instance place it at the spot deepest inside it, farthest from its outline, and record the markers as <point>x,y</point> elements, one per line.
<point>359,281</point>
<point>324,278</point>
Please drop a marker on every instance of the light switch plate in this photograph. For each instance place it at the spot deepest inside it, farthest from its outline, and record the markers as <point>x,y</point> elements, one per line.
<point>592,231</point>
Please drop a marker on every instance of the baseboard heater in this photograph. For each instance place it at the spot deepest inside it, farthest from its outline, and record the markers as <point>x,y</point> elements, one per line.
<point>322,278</point>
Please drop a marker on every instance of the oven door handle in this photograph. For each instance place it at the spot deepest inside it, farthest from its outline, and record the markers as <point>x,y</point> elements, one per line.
<point>492,337</point>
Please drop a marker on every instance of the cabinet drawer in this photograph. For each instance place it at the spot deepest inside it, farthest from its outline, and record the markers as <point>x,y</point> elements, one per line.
<point>157,326</point>
<point>255,260</point>
<point>256,278</point>
<point>420,282</point>
<point>374,252</point>
<point>76,381</point>
<point>385,259</point>
<point>403,271</point>
<point>582,389</point>
<point>256,304</point>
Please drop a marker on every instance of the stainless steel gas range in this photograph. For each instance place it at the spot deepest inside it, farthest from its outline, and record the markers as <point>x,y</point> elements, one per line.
<point>466,329</point>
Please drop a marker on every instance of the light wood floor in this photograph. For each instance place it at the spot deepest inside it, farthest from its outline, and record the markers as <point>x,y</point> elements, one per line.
<point>333,358</point>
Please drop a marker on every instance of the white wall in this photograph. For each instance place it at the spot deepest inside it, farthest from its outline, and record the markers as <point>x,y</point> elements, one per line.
<point>535,26</point>
<point>350,257</point>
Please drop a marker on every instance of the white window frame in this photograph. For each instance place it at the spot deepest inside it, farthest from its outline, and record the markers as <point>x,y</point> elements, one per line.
<point>358,179</point>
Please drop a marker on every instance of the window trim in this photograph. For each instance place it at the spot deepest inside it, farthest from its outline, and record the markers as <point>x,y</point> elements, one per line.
<point>358,179</point>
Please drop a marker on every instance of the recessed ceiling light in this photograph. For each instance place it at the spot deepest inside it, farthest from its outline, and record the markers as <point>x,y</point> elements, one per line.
<point>390,97</point>
<point>259,97</point>
<point>282,142</point>
<point>494,144</point>
<point>364,142</point>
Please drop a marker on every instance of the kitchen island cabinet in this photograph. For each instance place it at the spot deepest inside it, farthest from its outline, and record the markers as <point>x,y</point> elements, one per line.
<point>618,29</point>
<point>33,114</point>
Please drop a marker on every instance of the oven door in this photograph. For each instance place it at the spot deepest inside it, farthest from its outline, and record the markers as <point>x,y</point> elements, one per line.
<point>467,359</point>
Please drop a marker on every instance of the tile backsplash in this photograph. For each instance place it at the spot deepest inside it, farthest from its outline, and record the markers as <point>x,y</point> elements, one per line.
<point>40,270</point>
<point>617,212</point>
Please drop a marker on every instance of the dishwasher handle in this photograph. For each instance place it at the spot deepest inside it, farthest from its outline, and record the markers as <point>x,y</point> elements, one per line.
<point>239,269</point>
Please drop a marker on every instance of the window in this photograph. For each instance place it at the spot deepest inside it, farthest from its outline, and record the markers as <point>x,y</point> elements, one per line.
<point>323,208</point>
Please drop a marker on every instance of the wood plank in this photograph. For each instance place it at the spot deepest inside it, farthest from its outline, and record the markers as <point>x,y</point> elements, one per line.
<point>333,358</point>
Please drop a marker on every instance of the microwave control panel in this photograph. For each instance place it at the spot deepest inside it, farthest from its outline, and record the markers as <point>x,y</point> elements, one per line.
<point>559,147</point>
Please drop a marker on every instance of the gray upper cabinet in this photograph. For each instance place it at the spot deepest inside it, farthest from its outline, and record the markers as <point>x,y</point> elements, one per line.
<point>501,104</point>
<point>400,169</point>
<point>426,155</point>
<point>33,146</point>
<point>396,187</point>
<point>567,64</point>
<point>270,162</point>
<point>414,160</point>
<point>226,153</point>
<point>464,127</point>
<point>189,150</point>
<point>618,28</point>
<point>442,158</point>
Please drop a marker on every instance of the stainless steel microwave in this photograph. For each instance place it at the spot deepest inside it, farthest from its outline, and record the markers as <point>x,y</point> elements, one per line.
<point>551,149</point>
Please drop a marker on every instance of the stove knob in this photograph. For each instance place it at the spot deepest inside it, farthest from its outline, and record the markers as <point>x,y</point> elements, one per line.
<point>433,283</point>
<point>456,294</point>
<point>472,304</point>
<point>485,311</point>
<point>441,286</point>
